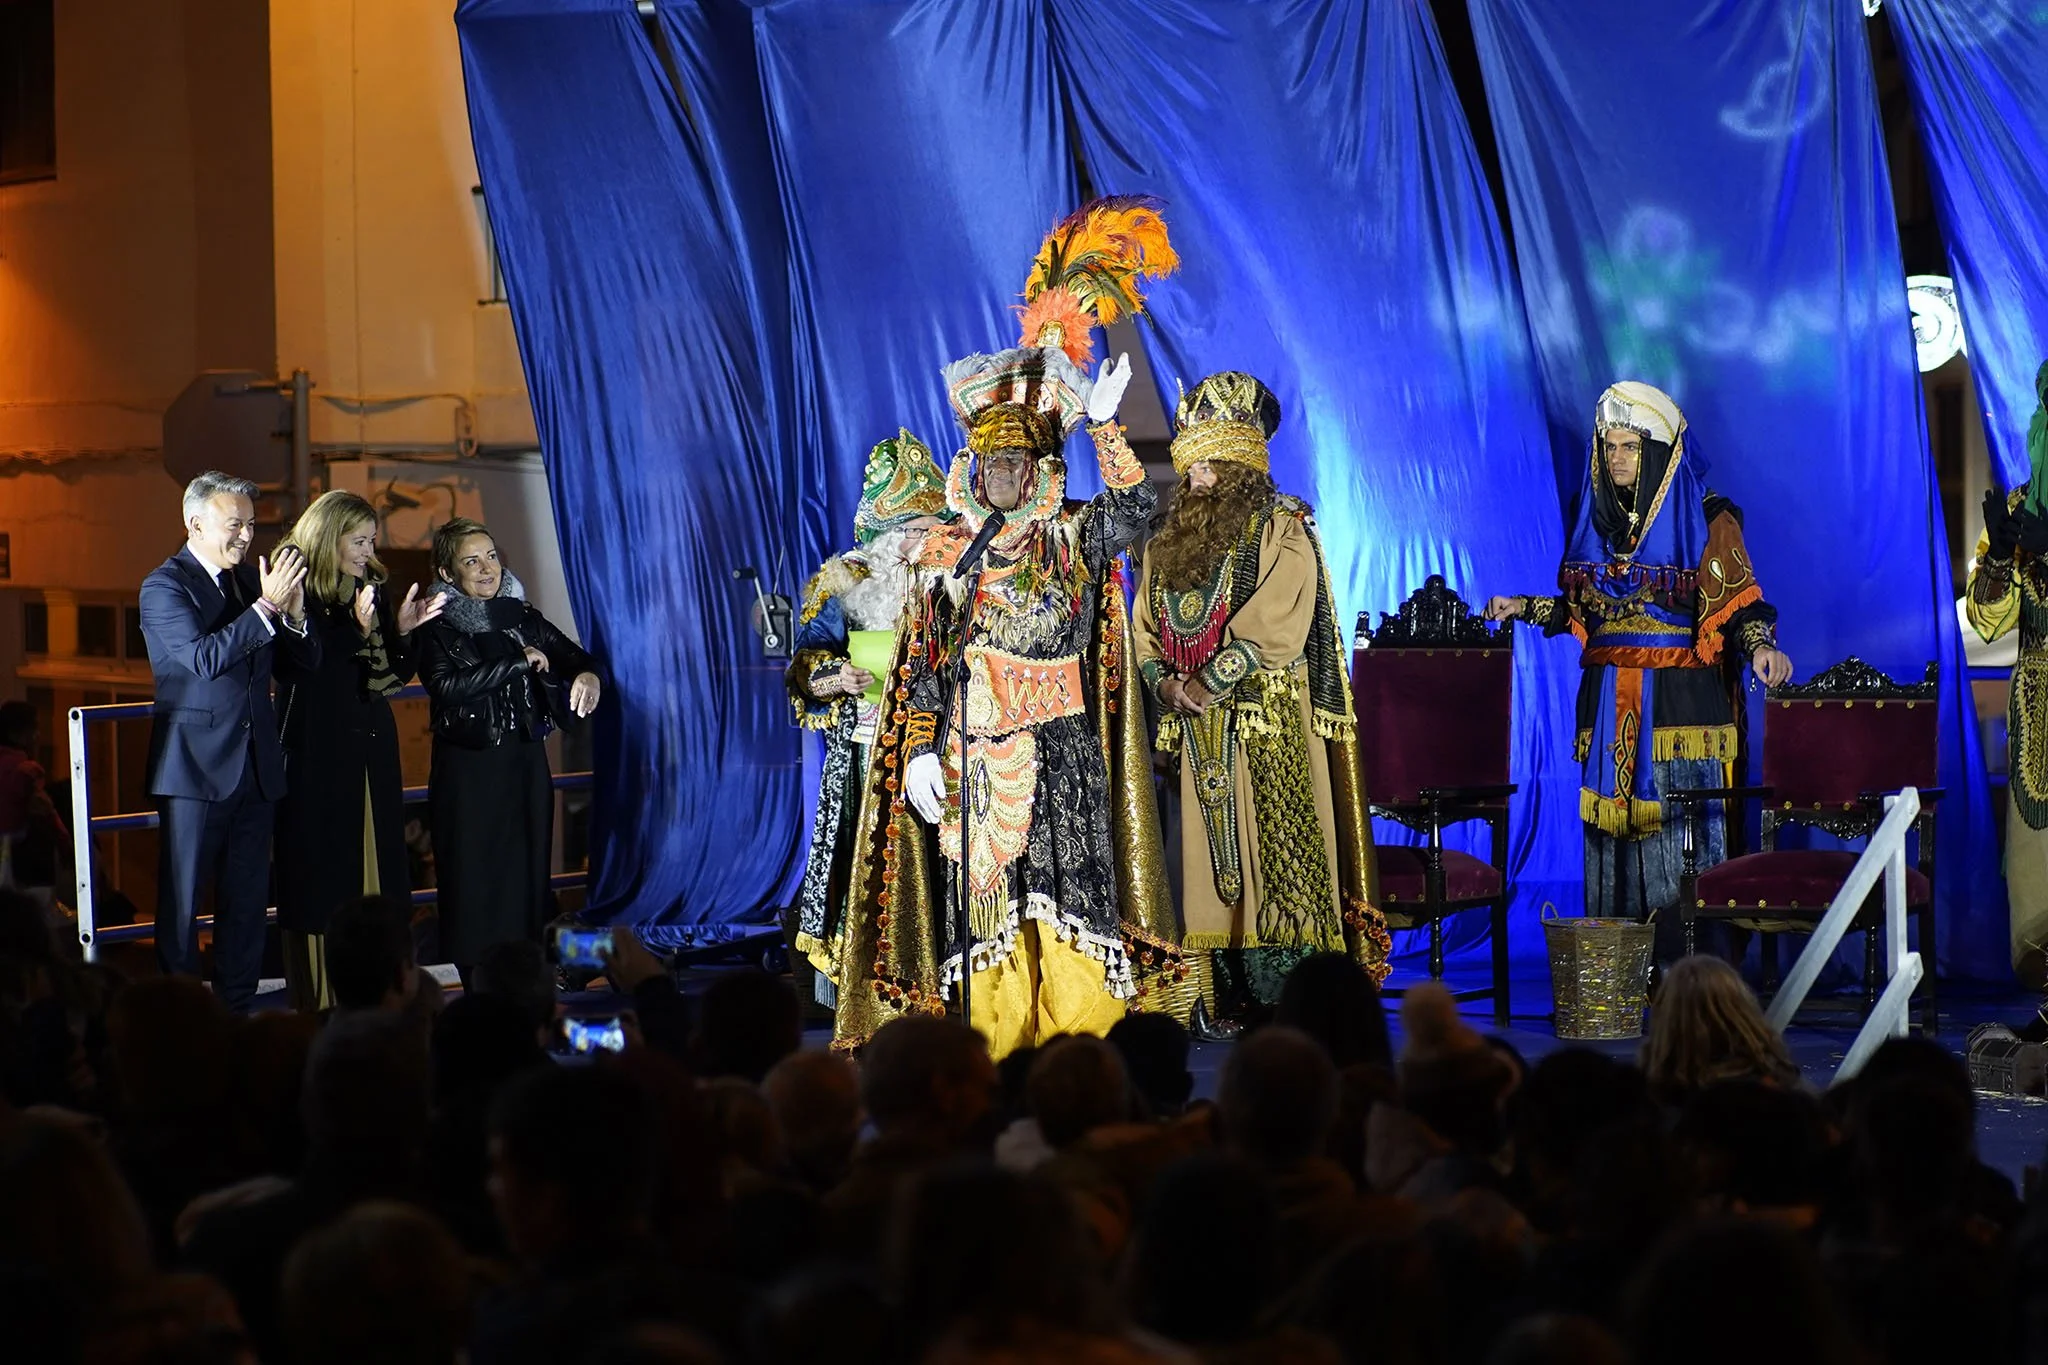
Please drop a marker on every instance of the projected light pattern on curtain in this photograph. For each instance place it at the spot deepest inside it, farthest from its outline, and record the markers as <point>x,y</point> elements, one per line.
<point>1363,276</point>
<point>1700,201</point>
<point>1978,72</point>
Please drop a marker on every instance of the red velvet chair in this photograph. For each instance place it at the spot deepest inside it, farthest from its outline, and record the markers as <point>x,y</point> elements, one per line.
<point>1833,748</point>
<point>1434,686</point>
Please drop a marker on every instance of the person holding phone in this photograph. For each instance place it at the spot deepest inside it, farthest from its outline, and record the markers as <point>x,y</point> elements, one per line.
<point>500,677</point>
<point>342,820</point>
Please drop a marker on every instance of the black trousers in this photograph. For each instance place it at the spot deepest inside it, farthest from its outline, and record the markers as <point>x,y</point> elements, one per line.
<point>224,845</point>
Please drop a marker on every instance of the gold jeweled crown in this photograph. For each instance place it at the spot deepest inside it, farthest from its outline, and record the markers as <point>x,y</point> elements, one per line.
<point>1227,418</point>
<point>901,484</point>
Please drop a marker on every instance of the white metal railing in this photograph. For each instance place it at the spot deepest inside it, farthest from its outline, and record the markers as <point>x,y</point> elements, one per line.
<point>1885,857</point>
<point>84,824</point>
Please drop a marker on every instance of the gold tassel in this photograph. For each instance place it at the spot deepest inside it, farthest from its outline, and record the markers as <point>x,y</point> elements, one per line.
<point>1692,742</point>
<point>1621,816</point>
<point>1339,729</point>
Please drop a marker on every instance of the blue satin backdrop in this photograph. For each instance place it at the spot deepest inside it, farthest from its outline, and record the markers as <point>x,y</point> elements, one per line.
<point>1360,272</point>
<point>1700,201</point>
<point>921,156</point>
<point>654,341</point>
<point>1978,72</point>
<point>740,240</point>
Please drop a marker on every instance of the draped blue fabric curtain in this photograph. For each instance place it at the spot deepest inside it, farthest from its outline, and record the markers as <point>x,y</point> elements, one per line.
<point>1978,72</point>
<point>921,156</point>
<point>741,239</point>
<point>1339,243</point>
<point>1700,201</point>
<point>654,339</point>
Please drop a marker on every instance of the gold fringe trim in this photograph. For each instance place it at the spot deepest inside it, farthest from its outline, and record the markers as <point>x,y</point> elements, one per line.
<point>1692,742</point>
<point>1201,943</point>
<point>1263,694</point>
<point>823,956</point>
<point>1708,640</point>
<point>833,579</point>
<point>1274,688</point>
<point>1677,742</point>
<point>806,712</point>
<point>1620,816</point>
<point>826,719</point>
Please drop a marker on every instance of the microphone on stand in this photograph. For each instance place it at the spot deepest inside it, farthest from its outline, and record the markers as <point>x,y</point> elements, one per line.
<point>971,560</point>
<point>968,567</point>
<point>970,564</point>
<point>771,614</point>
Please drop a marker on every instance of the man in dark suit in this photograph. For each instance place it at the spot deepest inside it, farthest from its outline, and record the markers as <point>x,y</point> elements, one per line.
<point>215,764</point>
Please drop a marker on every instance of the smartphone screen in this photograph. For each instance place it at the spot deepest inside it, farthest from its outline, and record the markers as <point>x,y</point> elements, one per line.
<point>582,947</point>
<point>590,1035</point>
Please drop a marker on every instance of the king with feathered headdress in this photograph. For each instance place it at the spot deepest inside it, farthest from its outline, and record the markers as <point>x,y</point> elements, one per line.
<point>1063,870</point>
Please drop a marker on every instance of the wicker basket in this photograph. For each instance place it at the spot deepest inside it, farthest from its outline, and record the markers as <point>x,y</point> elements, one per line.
<point>1162,992</point>
<point>1599,975</point>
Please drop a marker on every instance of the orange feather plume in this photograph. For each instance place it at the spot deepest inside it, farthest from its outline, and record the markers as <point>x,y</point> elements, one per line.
<point>1086,272</point>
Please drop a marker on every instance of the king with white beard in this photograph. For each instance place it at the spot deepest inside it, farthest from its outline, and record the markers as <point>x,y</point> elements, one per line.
<point>902,496</point>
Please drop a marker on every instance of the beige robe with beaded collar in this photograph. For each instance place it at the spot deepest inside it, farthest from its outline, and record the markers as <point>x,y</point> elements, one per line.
<point>1271,629</point>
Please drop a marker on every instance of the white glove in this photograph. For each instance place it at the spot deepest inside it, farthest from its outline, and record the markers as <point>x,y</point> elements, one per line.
<point>924,783</point>
<point>1107,393</point>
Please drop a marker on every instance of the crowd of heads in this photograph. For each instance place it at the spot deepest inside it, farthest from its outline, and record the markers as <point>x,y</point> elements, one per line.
<point>411,1178</point>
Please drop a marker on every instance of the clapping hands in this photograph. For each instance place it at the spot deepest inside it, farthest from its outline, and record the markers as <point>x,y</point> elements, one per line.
<point>282,580</point>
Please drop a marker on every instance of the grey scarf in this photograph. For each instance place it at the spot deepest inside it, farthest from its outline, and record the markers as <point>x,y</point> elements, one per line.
<point>482,615</point>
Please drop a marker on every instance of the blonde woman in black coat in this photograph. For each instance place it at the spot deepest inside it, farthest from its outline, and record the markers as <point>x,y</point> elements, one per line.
<point>341,824</point>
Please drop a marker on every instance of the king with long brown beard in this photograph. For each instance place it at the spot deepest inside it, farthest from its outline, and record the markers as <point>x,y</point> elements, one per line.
<point>1236,637</point>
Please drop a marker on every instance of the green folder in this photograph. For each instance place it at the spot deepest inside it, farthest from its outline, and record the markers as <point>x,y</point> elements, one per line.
<point>870,650</point>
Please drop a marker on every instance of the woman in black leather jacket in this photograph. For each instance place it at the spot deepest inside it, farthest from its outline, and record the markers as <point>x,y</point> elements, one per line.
<point>500,678</point>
